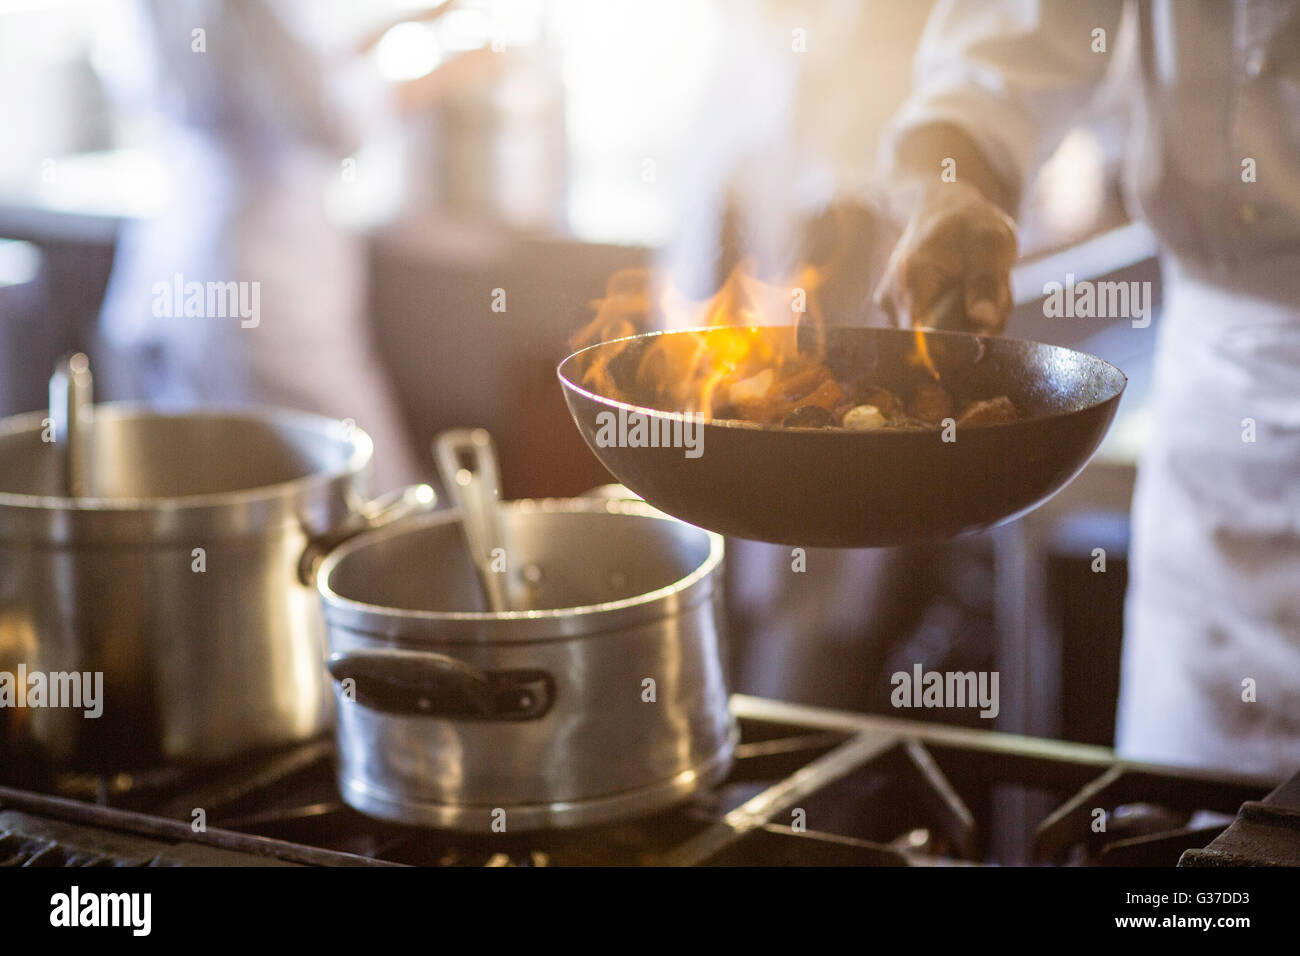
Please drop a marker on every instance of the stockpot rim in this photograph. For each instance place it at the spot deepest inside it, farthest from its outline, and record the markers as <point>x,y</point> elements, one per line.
<point>319,425</point>
<point>315,501</point>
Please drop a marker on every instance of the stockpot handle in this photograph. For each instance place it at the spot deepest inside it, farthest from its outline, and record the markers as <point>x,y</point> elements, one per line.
<point>425,684</point>
<point>384,510</point>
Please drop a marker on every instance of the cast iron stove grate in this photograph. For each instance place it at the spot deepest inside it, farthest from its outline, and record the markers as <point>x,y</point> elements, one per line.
<point>809,786</point>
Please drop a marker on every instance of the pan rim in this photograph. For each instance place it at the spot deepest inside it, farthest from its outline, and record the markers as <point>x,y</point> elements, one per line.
<point>867,434</point>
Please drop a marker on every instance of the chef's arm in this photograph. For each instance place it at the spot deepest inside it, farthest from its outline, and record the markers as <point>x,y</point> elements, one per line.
<point>998,84</point>
<point>926,154</point>
<point>951,268</point>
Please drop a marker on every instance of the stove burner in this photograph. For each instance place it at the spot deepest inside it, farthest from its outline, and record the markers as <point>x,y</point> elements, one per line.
<point>809,786</point>
<point>1265,833</point>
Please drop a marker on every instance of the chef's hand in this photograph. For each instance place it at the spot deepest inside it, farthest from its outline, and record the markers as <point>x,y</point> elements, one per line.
<point>951,268</point>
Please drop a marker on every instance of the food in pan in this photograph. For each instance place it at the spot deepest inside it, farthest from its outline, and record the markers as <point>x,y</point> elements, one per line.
<point>864,407</point>
<point>738,370</point>
<point>805,393</point>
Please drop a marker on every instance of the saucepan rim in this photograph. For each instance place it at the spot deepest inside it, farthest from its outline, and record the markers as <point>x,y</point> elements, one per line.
<point>337,603</point>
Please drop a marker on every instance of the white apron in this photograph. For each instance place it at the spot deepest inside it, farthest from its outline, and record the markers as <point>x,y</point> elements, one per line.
<point>1211,668</point>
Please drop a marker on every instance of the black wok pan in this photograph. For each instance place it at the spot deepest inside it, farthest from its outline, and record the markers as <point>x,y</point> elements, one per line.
<point>834,487</point>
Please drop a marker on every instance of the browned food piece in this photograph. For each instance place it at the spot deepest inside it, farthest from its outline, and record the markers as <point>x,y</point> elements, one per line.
<point>809,416</point>
<point>801,383</point>
<point>826,395</point>
<point>931,403</point>
<point>765,411</point>
<point>990,411</point>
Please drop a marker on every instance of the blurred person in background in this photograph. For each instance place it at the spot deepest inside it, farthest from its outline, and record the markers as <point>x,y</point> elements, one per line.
<point>259,103</point>
<point>1211,668</point>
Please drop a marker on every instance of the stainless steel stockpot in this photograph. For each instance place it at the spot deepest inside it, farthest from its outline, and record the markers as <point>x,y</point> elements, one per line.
<point>607,701</point>
<point>182,575</point>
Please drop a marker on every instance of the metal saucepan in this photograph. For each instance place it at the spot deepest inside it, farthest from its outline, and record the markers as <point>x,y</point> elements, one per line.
<point>604,699</point>
<point>835,487</point>
<point>178,573</point>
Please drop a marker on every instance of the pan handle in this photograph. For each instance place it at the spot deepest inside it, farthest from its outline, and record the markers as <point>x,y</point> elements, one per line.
<point>384,510</point>
<point>424,684</point>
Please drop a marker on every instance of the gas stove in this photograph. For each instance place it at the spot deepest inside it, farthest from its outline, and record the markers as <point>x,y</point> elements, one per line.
<point>809,786</point>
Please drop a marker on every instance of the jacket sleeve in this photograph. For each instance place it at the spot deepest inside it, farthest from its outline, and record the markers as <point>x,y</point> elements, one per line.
<point>1014,75</point>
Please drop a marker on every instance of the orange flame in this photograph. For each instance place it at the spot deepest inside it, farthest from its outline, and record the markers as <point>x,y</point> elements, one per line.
<point>921,357</point>
<point>745,353</point>
<point>743,360</point>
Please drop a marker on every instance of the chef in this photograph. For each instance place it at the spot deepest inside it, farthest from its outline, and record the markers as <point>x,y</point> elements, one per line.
<point>1211,662</point>
<point>246,288</point>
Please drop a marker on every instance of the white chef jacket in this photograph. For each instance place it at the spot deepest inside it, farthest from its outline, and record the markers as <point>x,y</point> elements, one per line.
<point>253,129</point>
<point>1211,664</point>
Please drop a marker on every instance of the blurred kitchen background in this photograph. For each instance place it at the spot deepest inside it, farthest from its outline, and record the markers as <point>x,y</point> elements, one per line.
<point>682,134</point>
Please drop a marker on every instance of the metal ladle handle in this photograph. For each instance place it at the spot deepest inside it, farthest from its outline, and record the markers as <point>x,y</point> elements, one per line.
<point>467,465</point>
<point>71,410</point>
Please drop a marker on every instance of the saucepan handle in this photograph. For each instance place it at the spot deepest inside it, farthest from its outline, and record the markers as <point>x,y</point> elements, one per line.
<point>384,510</point>
<point>425,684</point>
